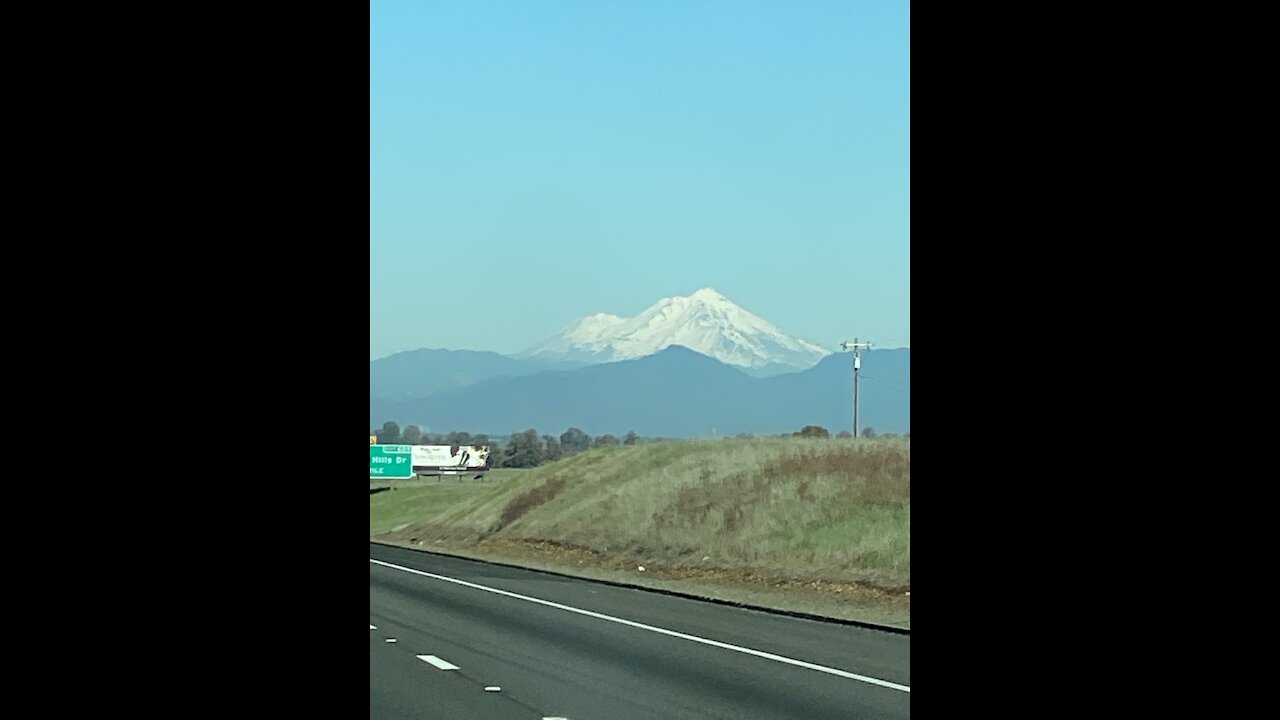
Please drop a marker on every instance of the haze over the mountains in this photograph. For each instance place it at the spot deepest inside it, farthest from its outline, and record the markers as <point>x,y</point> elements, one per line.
<point>686,366</point>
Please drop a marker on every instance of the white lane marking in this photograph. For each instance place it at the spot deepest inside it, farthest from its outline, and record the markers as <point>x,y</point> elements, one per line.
<point>651,628</point>
<point>371,627</point>
<point>555,718</point>
<point>437,662</point>
<point>493,688</point>
<point>391,639</point>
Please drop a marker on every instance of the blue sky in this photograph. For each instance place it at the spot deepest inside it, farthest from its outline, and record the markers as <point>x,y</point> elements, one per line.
<point>533,162</point>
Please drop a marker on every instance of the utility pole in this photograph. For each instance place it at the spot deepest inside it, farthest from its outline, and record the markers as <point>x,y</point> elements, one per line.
<point>856,347</point>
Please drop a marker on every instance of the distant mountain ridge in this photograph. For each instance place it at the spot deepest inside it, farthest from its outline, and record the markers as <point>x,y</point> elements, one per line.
<point>415,373</point>
<point>673,393</point>
<point>686,366</point>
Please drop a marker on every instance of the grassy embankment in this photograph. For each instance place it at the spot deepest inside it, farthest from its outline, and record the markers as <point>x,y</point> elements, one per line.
<point>819,526</point>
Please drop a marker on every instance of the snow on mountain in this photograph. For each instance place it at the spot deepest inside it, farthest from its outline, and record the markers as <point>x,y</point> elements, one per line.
<point>705,321</point>
<point>592,333</point>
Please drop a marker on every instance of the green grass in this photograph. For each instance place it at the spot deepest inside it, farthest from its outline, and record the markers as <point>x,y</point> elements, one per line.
<point>422,499</point>
<point>797,507</point>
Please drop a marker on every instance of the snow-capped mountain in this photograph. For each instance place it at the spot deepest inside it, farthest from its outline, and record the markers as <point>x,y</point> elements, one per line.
<point>705,321</point>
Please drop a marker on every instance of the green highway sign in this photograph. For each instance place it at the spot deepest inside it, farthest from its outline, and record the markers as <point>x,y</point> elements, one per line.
<point>390,462</point>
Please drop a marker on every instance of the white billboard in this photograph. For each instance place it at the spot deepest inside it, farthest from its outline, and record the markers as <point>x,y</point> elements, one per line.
<point>457,458</point>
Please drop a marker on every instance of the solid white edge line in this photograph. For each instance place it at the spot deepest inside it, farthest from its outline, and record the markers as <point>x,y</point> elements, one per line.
<point>651,628</point>
<point>437,662</point>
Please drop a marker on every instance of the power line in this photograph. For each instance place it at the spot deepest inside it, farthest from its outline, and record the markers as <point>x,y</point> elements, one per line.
<point>894,343</point>
<point>856,347</point>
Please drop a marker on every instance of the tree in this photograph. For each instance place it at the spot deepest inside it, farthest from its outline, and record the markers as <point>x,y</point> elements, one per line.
<point>524,450</point>
<point>745,436</point>
<point>631,438</point>
<point>574,440</point>
<point>605,440</point>
<point>389,434</point>
<point>412,435</point>
<point>868,432</point>
<point>813,431</point>
<point>551,448</point>
<point>480,439</point>
<point>458,438</point>
<point>844,435</point>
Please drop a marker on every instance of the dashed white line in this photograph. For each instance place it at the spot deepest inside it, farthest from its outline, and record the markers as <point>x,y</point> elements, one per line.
<point>391,639</point>
<point>672,633</point>
<point>492,688</point>
<point>371,627</point>
<point>437,662</point>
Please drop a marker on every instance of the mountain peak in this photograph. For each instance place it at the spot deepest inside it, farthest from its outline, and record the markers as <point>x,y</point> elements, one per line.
<point>704,321</point>
<point>705,296</point>
<point>708,295</point>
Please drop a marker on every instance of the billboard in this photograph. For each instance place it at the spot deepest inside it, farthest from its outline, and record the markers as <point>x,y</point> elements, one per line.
<point>450,458</point>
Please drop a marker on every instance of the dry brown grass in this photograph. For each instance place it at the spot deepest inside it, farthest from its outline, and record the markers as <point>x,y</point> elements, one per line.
<point>529,500</point>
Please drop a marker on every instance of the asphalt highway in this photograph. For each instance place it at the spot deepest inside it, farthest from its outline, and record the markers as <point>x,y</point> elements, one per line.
<point>454,638</point>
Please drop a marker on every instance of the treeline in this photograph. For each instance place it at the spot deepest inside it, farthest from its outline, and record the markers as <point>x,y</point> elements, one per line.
<point>530,449</point>
<point>820,432</point>
<point>522,450</point>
